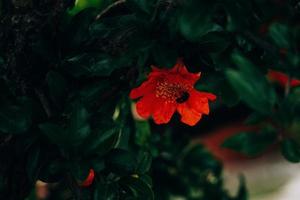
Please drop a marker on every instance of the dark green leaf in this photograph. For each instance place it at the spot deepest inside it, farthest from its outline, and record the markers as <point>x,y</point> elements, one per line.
<point>14,119</point>
<point>251,85</point>
<point>280,35</point>
<point>144,162</point>
<point>142,132</point>
<point>250,143</point>
<point>121,162</point>
<point>54,132</point>
<point>33,163</point>
<point>100,142</point>
<point>90,65</point>
<point>106,192</point>
<point>139,188</point>
<point>32,195</point>
<point>195,20</point>
<point>93,92</point>
<point>57,86</point>
<point>78,127</point>
<point>214,42</point>
<point>290,150</point>
<point>141,5</point>
<point>254,118</point>
<point>79,170</point>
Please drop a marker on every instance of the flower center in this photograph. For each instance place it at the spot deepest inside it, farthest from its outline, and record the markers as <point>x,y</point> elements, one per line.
<point>173,92</point>
<point>183,98</point>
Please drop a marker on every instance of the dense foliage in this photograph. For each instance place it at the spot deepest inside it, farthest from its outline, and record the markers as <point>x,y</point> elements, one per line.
<point>66,72</point>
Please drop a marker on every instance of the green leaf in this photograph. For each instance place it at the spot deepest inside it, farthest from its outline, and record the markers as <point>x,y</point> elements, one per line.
<point>144,160</point>
<point>191,28</point>
<point>90,65</point>
<point>290,150</point>
<point>93,92</point>
<point>164,55</point>
<point>139,188</point>
<point>121,162</point>
<point>52,170</point>
<point>251,144</point>
<point>280,34</point>
<point>251,85</point>
<point>54,132</point>
<point>142,133</point>
<point>214,42</point>
<point>195,19</point>
<point>197,155</point>
<point>254,118</point>
<point>98,164</point>
<point>101,141</point>
<point>141,5</point>
<point>83,4</point>
<point>228,94</point>
<point>33,163</point>
<point>78,127</point>
<point>57,86</point>
<point>106,192</point>
<point>79,170</point>
<point>77,32</point>
<point>32,195</point>
<point>14,119</point>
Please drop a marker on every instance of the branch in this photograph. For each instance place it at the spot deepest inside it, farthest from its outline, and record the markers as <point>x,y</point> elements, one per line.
<point>44,102</point>
<point>109,7</point>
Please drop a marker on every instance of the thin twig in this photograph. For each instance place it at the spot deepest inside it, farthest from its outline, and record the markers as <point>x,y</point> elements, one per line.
<point>109,7</point>
<point>44,102</point>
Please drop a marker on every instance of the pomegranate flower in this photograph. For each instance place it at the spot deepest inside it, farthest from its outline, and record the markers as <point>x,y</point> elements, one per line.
<point>168,90</point>
<point>282,78</point>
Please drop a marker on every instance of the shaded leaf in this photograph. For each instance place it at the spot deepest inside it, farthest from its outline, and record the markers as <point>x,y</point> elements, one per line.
<point>251,85</point>
<point>14,119</point>
<point>280,35</point>
<point>139,188</point>
<point>106,192</point>
<point>121,162</point>
<point>290,150</point>
<point>251,144</point>
<point>57,86</point>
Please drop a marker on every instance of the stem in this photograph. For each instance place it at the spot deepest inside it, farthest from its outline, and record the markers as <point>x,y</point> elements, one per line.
<point>44,102</point>
<point>109,7</point>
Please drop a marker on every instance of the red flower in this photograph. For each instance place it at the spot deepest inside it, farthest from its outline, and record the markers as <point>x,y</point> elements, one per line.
<point>282,78</point>
<point>168,90</point>
<point>89,180</point>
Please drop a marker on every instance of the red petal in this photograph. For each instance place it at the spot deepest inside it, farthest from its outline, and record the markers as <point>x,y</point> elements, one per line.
<point>179,66</point>
<point>280,77</point>
<point>89,180</point>
<point>198,102</point>
<point>188,115</point>
<point>208,95</point>
<point>163,112</point>
<point>144,106</point>
<point>146,87</point>
<point>295,82</point>
<point>181,70</point>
